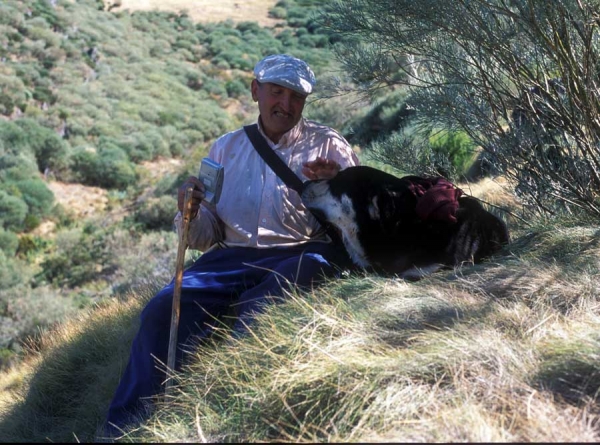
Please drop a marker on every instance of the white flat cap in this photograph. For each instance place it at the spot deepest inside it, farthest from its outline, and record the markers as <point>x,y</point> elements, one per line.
<point>287,71</point>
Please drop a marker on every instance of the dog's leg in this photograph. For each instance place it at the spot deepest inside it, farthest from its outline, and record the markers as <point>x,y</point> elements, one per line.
<point>416,273</point>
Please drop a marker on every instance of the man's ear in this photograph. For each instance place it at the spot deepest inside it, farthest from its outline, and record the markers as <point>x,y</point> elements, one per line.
<point>254,89</point>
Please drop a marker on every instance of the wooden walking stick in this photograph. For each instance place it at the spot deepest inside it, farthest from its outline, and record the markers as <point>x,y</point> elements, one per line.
<point>187,204</point>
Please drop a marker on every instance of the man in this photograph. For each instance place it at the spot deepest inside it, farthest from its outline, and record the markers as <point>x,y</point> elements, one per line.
<point>258,240</point>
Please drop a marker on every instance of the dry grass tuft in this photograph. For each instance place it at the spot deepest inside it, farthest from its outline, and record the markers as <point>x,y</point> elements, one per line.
<point>482,354</point>
<point>505,351</point>
<point>59,392</point>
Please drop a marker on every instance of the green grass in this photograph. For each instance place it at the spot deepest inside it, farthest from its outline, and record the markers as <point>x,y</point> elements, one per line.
<point>502,351</point>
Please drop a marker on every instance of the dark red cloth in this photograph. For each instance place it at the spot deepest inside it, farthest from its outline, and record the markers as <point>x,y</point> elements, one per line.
<point>437,198</point>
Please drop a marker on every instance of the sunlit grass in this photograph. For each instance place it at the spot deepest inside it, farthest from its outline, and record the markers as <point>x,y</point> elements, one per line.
<point>502,351</point>
<point>465,356</point>
<point>59,392</point>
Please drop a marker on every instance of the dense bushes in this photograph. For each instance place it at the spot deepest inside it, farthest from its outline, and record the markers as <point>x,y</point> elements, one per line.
<point>8,242</point>
<point>389,114</point>
<point>518,77</point>
<point>26,137</point>
<point>137,79</point>
<point>457,146</point>
<point>88,96</point>
<point>12,211</point>
<point>157,213</point>
<point>78,256</point>
<point>108,167</point>
<point>132,93</point>
<point>10,275</point>
<point>25,149</point>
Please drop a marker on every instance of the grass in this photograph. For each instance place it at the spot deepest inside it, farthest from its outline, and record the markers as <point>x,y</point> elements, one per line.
<point>503,351</point>
<point>208,10</point>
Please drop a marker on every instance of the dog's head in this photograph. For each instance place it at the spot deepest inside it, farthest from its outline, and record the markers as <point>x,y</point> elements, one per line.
<point>363,203</point>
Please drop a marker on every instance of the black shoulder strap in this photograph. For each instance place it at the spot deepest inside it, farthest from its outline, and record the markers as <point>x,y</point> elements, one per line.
<point>272,160</point>
<point>283,171</point>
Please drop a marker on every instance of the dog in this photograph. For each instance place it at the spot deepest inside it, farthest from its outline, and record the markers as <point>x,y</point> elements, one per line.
<point>410,226</point>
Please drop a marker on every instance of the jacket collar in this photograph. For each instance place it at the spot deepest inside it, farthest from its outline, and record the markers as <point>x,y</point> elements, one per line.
<point>288,139</point>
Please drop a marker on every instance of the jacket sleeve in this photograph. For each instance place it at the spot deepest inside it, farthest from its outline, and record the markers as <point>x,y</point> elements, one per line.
<point>205,229</point>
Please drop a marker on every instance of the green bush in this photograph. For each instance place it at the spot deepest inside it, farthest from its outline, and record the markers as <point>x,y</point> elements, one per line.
<point>9,271</point>
<point>29,245</point>
<point>49,149</point>
<point>386,116</point>
<point>24,138</point>
<point>13,140</point>
<point>236,88</point>
<point>456,146</point>
<point>17,167</point>
<point>9,242</point>
<point>109,167</point>
<point>36,195</point>
<point>12,212</point>
<point>157,213</point>
<point>13,94</point>
<point>277,13</point>
<point>80,256</point>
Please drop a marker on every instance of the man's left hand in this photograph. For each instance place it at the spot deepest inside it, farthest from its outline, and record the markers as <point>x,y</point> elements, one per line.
<point>320,168</point>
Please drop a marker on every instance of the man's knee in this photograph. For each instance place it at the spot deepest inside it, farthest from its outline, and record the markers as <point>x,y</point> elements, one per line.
<point>158,310</point>
<point>313,268</point>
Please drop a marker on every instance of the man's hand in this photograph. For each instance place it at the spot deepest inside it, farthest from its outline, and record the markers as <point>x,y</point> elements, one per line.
<point>320,168</point>
<point>197,195</point>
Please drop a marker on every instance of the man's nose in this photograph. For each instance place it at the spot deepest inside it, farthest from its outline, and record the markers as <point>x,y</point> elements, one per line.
<point>285,102</point>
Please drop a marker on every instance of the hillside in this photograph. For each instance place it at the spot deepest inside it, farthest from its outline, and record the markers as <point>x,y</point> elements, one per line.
<point>206,10</point>
<point>101,115</point>
<point>105,106</point>
<point>503,352</point>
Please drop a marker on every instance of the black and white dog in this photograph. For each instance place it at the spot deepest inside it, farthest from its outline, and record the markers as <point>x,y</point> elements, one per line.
<point>409,226</point>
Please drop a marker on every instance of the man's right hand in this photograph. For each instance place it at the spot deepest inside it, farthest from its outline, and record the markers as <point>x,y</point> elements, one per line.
<point>197,195</point>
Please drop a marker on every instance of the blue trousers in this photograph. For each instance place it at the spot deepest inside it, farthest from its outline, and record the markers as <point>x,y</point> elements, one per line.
<point>236,281</point>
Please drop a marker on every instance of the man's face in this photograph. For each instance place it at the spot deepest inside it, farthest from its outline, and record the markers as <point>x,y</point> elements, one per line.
<point>280,108</point>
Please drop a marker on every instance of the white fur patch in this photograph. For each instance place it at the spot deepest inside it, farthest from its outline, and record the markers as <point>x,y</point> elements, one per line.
<point>374,209</point>
<point>415,273</point>
<point>341,214</point>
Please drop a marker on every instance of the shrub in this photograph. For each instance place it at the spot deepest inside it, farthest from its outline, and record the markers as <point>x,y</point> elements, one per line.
<point>36,194</point>
<point>474,73</point>
<point>236,88</point>
<point>389,114</point>
<point>409,153</point>
<point>16,167</point>
<point>79,256</point>
<point>9,242</point>
<point>108,168</point>
<point>9,271</point>
<point>157,213</point>
<point>12,94</point>
<point>49,149</point>
<point>29,245</point>
<point>456,146</point>
<point>27,137</point>
<point>12,211</point>
<point>277,13</point>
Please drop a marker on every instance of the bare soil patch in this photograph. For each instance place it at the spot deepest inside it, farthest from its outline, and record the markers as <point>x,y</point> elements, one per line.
<point>208,10</point>
<point>81,200</point>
